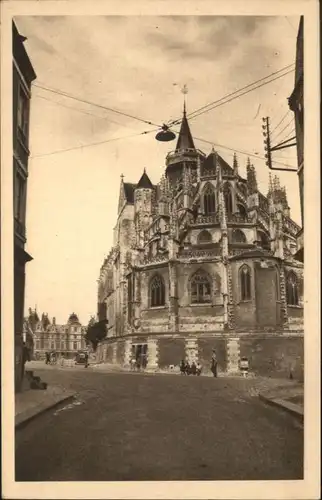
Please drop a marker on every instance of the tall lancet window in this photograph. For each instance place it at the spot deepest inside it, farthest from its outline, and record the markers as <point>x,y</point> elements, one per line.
<point>200,288</point>
<point>209,199</point>
<point>228,197</point>
<point>245,283</point>
<point>292,294</point>
<point>157,291</point>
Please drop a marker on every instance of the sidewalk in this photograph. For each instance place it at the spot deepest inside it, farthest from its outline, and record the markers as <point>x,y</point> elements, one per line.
<point>287,397</point>
<point>32,402</point>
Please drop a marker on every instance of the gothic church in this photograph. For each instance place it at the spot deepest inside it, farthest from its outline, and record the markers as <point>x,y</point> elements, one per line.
<point>203,261</point>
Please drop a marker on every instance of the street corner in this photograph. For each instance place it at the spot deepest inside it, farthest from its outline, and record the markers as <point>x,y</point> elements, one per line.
<point>32,403</point>
<point>293,405</point>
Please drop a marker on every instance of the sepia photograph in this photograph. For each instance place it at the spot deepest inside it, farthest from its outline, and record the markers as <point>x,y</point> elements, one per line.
<point>158,247</point>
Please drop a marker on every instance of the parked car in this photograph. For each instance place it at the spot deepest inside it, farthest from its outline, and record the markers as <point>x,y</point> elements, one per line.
<point>81,357</point>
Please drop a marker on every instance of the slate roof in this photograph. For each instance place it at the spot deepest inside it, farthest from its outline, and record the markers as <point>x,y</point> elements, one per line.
<point>129,191</point>
<point>144,182</point>
<point>185,140</point>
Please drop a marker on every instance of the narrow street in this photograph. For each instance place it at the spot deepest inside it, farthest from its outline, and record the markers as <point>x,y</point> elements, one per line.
<point>125,426</point>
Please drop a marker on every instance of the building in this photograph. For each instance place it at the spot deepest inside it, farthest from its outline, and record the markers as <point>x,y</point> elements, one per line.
<point>296,103</point>
<point>203,261</point>
<point>65,340</point>
<point>23,75</point>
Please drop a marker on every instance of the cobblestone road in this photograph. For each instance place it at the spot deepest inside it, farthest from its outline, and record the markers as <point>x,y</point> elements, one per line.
<point>158,427</point>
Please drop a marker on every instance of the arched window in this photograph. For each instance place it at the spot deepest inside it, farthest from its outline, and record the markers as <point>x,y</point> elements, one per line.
<point>157,291</point>
<point>238,236</point>
<point>209,199</point>
<point>204,237</point>
<point>245,283</point>
<point>200,288</point>
<point>228,198</point>
<point>292,290</point>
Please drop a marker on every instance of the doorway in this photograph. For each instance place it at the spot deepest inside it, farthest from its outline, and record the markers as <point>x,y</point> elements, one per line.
<point>140,354</point>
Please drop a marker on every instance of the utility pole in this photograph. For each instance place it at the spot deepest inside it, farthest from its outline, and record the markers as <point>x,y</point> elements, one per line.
<point>270,149</point>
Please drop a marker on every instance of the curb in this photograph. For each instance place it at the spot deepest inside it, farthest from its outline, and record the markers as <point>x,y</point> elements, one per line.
<point>28,415</point>
<point>295,410</point>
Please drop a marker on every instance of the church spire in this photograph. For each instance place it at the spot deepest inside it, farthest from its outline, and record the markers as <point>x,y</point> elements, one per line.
<point>185,140</point>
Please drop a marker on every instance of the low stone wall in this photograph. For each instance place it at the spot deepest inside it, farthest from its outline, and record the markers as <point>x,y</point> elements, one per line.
<point>205,347</point>
<point>269,355</point>
<point>171,351</point>
<point>274,356</point>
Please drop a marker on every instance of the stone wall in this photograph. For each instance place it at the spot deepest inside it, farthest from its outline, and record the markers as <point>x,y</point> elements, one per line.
<point>171,351</point>
<point>274,356</point>
<point>205,347</point>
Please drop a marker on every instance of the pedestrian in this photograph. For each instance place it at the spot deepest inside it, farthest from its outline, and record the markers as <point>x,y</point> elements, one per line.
<point>193,368</point>
<point>133,363</point>
<point>199,369</point>
<point>182,367</point>
<point>188,368</point>
<point>86,359</point>
<point>47,358</point>
<point>214,363</point>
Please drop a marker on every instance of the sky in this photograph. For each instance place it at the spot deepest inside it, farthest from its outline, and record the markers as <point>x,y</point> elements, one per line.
<point>137,65</point>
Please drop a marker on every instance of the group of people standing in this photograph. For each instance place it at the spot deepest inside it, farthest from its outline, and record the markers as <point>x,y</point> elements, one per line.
<point>51,358</point>
<point>193,368</point>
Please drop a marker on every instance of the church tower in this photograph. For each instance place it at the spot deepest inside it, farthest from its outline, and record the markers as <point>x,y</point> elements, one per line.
<point>184,159</point>
<point>143,201</point>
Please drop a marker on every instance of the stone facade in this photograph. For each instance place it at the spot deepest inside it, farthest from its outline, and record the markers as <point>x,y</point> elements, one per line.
<point>199,261</point>
<point>22,76</point>
<point>65,340</point>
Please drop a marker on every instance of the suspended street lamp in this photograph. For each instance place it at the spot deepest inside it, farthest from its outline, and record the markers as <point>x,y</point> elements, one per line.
<point>165,134</point>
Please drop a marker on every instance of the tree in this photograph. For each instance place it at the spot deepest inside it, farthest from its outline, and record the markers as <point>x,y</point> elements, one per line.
<point>95,332</point>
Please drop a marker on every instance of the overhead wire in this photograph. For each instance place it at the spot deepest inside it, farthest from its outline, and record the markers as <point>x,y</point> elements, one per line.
<point>80,110</point>
<point>286,126</point>
<point>70,96</point>
<point>280,122</point>
<point>211,106</point>
<point>246,153</point>
<point>91,144</point>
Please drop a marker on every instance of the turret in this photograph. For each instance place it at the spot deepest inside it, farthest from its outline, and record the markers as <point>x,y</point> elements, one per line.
<point>185,154</point>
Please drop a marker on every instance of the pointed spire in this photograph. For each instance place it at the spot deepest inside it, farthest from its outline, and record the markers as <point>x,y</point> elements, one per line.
<point>144,182</point>
<point>251,178</point>
<point>185,140</point>
<point>235,164</point>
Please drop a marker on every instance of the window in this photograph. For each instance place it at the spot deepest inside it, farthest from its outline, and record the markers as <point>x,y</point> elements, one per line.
<point>53,345</point>
<point>200,288</point>
<point>62,345</point>
<point>23,108</point>
<point>242,210</point>
<point>204,237</point>
<point>264,240</point>
<point>157,291</point>
<point>245,283</point>
<point>20,184</point>
<point>75,346</point>
<point>292,290</point>
<point>37,345</point>
<point>228,199</point>
<point>238,236</point>
<point>209,200</point>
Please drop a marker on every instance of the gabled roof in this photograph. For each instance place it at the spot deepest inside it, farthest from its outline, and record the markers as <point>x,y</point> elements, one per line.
<point>185,140</point>
<point>129,191</point>
<point>144,182</point>
<point>210,163</point>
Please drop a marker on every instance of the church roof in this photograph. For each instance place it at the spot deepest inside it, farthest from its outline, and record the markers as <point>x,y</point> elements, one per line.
<point>144,182</point>
<point>253,253</point>
<point>185,140</point>
<point>210,163</point>
<point>129,191</point>
<point>73,318</point>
